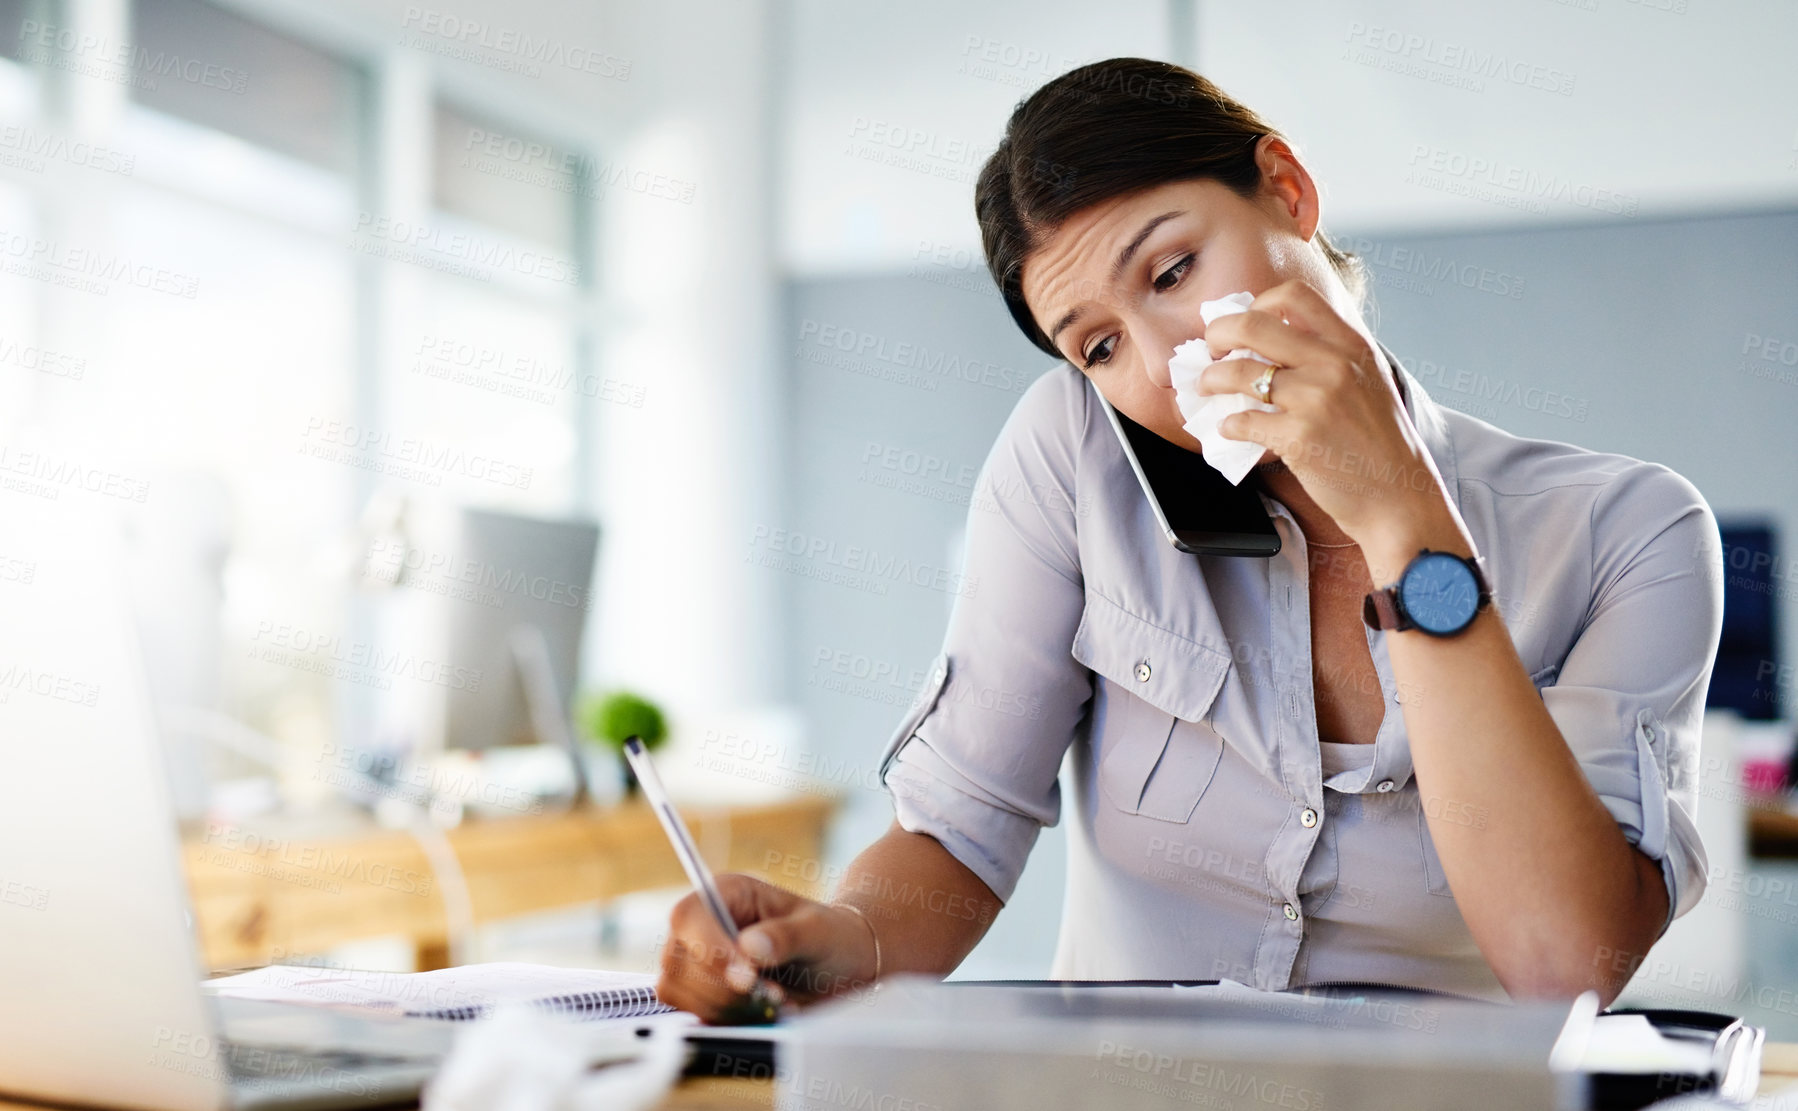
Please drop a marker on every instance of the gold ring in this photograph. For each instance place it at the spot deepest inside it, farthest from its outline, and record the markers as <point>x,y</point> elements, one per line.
<point>1264,384</point>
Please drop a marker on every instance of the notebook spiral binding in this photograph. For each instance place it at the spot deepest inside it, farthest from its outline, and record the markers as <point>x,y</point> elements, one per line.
<point>618,1003</point>
<point>615,1003</point>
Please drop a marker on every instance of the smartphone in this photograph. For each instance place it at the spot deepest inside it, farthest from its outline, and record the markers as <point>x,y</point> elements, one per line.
<point>1198,509</point>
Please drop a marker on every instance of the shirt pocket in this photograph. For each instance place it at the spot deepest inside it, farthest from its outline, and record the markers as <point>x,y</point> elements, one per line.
<point>1156,755</point>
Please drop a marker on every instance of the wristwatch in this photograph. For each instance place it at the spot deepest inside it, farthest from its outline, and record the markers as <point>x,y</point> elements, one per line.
<point>1439,593</point>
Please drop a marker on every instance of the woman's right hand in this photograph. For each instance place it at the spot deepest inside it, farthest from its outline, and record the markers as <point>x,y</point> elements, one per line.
<point>812,950</point>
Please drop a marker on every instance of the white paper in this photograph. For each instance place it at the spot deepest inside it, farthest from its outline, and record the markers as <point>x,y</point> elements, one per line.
<point>1631,1044</point>
<point>418,993</point>
<point>1231,458</point>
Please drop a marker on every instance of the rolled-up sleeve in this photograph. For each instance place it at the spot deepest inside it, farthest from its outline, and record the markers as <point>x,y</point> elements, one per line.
<point>1629,698</point>
<point>974,762</point>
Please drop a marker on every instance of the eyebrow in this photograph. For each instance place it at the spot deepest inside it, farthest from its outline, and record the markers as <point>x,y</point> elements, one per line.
<point>1130,248</point>
<point>1117,268</point>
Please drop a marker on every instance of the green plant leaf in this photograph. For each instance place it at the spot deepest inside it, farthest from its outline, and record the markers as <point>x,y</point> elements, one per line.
<point>610,718</point>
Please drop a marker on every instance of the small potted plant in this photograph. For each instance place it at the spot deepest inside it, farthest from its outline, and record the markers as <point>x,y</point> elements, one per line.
<point>611,718</point>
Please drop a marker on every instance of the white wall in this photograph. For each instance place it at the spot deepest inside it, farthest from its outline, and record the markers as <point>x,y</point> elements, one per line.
<point>890,109</point>
<point>1680,106</point>
<point>1667,112</point>
<point>685,304</point>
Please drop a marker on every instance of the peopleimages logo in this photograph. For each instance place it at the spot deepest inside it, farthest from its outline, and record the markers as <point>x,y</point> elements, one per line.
<point>46,475</point>
<point>522,52</point>
<point>568,171</point>
<point>88,54</point>
<point>405,456</point>
<point>424,569</point>
<point>1517,186</point>
<point>428,245</point>
<point>1413,262</point>
<point>87,270</point>
<point>849,564</point>
<point>18,894</point>
<point>33,148</point>
<point>56,364</point>
<point>912,356</point>
<point>523,376</point>
<point>328,654</point>
<point>15,570</point>
<point>1191,1080</point>
<point>1454,56</point>
<point>1444,380</point>
<point>46,684</point>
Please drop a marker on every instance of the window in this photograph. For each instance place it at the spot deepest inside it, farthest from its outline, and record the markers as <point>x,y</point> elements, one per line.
<point>197,297</point>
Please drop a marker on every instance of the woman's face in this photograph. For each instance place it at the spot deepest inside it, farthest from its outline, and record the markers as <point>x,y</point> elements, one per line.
<point>1118,285</point>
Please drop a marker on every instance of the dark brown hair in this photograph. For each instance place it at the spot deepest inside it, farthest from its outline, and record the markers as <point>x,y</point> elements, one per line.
<point>1100,132</point>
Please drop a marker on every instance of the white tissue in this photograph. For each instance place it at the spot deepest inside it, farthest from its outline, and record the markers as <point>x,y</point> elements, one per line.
<point>1231,458</point>
<point>520,1059</point>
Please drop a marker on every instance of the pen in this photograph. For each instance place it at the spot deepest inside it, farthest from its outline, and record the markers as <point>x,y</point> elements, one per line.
<point>759,1006</point>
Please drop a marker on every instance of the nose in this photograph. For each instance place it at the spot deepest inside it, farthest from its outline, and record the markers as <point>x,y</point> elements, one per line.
<point>1157,340</point>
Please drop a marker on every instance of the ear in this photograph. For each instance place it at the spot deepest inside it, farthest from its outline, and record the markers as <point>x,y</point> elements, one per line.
<point>1286,184</point>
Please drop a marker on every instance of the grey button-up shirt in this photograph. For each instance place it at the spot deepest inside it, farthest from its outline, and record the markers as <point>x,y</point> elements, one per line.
<point>1208,838</point>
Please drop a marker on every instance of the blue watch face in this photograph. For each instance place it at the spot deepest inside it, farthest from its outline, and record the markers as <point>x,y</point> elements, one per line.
<point>1439,593</point>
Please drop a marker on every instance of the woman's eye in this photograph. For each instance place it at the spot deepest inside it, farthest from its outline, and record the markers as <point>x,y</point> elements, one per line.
<point>1170,277</point>
<point>1101,352</point>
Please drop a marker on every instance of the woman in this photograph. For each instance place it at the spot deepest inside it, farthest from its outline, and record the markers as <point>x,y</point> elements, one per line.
<point>1268,787</point>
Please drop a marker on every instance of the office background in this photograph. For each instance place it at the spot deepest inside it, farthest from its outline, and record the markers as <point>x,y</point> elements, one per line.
<point>708,274</point>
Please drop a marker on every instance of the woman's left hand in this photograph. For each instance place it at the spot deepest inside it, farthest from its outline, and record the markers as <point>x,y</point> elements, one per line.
<point>1342,428</point>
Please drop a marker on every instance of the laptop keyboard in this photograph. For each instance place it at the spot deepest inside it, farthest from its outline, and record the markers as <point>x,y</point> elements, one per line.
<point>350,1076</point>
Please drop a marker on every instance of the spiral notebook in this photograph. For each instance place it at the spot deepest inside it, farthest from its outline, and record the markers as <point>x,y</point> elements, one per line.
<point>467,992</point>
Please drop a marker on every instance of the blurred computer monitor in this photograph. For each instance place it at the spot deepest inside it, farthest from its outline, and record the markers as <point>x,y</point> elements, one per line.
<point>1746,675</point>
<point>537,576</point>
<point>498,601</point>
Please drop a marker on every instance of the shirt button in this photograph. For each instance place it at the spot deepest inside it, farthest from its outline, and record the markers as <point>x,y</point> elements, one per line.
<point>1142,672</point>
<point>1308,817</point>
<point>1385,786</point>
<point>1292,913</point>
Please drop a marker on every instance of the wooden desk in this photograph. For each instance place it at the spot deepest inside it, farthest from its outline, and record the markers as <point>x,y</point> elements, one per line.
<point>261,896</point>
<point>1779,1067</point>
<point>1772,831</point>
<point>708,1093</point>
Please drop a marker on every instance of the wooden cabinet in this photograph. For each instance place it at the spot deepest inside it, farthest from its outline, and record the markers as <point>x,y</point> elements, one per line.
<point>265,895</point>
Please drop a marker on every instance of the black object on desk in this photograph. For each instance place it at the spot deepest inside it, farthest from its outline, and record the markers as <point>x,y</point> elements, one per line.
<point>737,1051</point>
<point>1735,1049</point>
<point>1734,1075</point>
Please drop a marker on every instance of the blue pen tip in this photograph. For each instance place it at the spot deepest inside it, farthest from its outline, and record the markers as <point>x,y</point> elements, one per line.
<point>633,745</point>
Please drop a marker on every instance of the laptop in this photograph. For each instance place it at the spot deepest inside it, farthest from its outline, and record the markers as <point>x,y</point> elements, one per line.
<point>101,1003</point>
